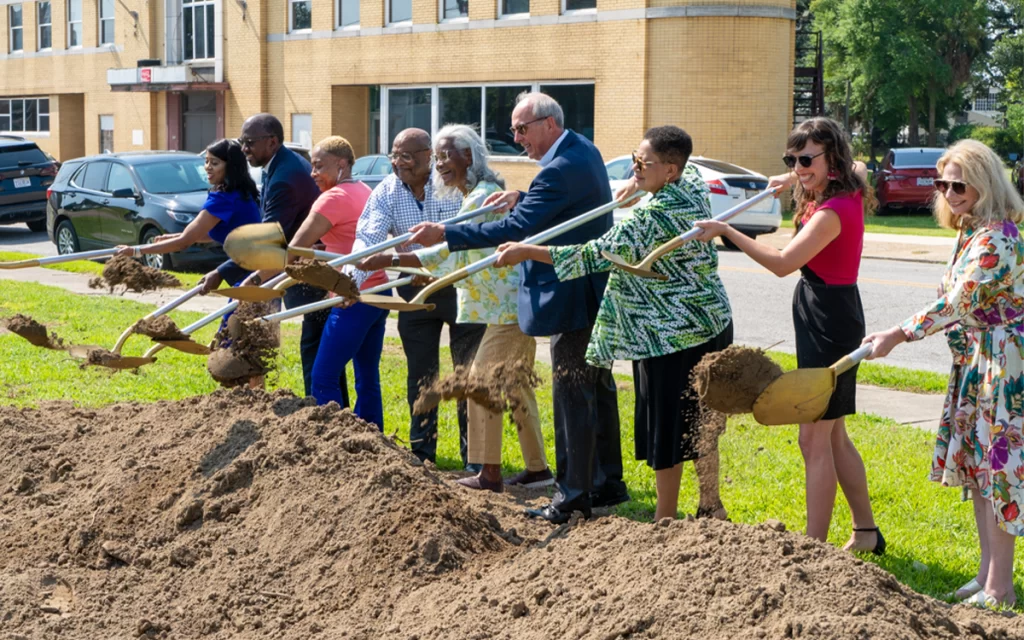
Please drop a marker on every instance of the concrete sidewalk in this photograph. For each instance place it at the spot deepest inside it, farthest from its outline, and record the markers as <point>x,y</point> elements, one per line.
<point>919,410</point>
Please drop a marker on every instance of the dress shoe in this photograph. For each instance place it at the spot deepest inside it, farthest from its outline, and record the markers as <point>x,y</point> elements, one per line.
<point>599,499</point>
<point>531,479</point>
<point>554,515</point>
<point>480,482</point>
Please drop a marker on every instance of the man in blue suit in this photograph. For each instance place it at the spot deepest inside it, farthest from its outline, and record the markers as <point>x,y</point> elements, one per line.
<point>572,180</point>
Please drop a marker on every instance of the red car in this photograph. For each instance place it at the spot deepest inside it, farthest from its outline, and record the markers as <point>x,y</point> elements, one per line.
<point>906,178</point>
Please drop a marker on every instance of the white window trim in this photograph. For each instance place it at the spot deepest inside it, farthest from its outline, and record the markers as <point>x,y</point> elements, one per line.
<point>30,134</point>
<point>337,18</point>
<point>291,17</point>
<point>511,16</point>
<point>387,17</point>
<point>435,106</point>
<point>210,57</point>
<point>575,12</point>
<point>69,22</point>
<point>113,18</point>
<point>11,28</point>
<point>39,28</point>
<point>443,20</point>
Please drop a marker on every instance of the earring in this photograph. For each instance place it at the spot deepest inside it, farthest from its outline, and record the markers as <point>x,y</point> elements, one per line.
<point>832,175</point>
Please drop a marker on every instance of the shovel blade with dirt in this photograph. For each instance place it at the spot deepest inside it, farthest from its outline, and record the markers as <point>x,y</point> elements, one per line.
<point>249,293</point>
<point>100,357</point>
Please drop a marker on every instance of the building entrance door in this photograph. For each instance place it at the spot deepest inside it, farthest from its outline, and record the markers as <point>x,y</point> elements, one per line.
<point>198,120</point>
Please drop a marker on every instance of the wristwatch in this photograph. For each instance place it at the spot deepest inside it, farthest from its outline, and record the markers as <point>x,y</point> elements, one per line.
<point>396,260</point>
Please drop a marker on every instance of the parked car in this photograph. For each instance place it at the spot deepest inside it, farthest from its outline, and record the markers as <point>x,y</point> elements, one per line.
<point>256,173</point>
<point>907,178</point>
<point>101,201</point>
<point>25,173</point>
<point>730,184</point>
<point>371,170</point>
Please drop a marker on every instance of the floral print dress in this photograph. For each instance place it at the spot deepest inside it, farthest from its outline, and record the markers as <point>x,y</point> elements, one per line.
<point>981,306</point>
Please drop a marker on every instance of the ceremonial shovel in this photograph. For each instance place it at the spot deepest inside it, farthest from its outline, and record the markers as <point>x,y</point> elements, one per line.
<point>67,257</point>
<point>644,268</point>
<point>187,346</point>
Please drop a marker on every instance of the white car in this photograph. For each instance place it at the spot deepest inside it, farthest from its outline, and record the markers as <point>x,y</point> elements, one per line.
<point>730,184</point>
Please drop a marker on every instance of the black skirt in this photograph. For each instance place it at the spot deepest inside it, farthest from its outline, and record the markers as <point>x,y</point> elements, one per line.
<point>829,323</point>
<point>667,414</point>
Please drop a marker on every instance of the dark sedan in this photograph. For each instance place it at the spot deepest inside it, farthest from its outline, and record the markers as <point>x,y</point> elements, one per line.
<point>102,201</point>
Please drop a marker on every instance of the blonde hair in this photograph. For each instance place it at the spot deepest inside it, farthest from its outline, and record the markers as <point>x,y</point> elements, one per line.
<point>983,170</point>
<point>338,147</point>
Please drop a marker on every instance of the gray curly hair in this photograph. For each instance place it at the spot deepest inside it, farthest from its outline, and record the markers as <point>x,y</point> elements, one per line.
<point>465,137</point>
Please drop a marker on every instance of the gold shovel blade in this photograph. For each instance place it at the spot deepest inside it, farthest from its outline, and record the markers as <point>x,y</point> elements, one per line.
<point>393,303</point>
<point>636,270</point>
<point>258,246</point>
<point>796,397</point>
<point>186,346</point>
<point>127,362</point>
<point>249,294</point>
<point>81,351</point>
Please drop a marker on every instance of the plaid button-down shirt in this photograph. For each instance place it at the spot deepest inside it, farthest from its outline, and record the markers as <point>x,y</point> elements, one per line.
<point>393,209</point>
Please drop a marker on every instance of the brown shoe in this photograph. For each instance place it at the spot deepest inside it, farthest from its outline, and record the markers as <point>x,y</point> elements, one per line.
<point>531,479</point>
<point>479,482</point>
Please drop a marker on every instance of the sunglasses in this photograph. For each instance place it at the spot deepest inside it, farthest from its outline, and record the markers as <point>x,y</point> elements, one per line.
<point>959,188</point>
<point>640,164</point>
<point>805,161</point>
<point>248,142</point>
<point>521,128</point>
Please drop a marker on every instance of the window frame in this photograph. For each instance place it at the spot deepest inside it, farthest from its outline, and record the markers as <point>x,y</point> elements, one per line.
<point>301,114</point>
<point>442,19</point>
<point>510,16</point>
<point>211,46</point>
<point>11,28</point>
<point>112,19</point>
<point>388,22</point>
<point>40,114</point>
<point>70,25</point>
<point>435,125</point>
<point>355,26</point>
<point>40,24</point>
<point>576,12</point>
<point>291,16</point>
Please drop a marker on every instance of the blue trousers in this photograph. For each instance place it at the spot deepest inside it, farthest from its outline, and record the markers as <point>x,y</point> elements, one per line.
<point>355,334</point>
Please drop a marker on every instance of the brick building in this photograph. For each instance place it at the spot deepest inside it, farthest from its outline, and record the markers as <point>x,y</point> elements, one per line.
<point>81,76</point>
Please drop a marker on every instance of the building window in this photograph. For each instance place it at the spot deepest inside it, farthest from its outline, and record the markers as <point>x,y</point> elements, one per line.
<point>488,108</point>
<point>74,23</point>
<point>197,27</point>
<point>515,7</point>
<point>44,20</point>
<point>106,134</point>
<point>569,6</point>
<point>348,13</point>
<point>399,11</point>
<point>988,103</point>
<point>106,21</point>
<point>301,14</point>
<point>16,34</point>
<point>25,115</point>
<point>302,129</point>
<point>454,9</point>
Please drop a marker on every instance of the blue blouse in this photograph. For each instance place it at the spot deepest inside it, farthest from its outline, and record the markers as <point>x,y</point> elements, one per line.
<point>233,209</point>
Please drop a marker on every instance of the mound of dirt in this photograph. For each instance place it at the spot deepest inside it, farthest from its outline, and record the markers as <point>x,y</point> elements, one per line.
<point>160,328</point>
<point>133,276</point>
<point>731,380</point>
<point>248,346</point>
<point>499,389</point>
<point>251,515</point>
<point>322,275</point>
<point>34,332</point>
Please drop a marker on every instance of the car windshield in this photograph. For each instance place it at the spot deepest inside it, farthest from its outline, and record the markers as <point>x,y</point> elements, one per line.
<point>180,175</point>
<point>719,166</point>
<point>916,158</point>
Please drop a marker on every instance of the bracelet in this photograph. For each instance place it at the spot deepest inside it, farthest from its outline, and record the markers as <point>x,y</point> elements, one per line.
<point>137,252</point>
<point>256,279</point>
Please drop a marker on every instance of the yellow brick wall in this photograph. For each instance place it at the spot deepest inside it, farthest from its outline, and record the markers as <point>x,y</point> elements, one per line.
<point>67,120</point>
<point>350,117</point>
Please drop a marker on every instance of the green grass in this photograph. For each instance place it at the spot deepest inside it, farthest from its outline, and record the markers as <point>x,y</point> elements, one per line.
<point>762,470</point>
<point>90,267</point>
<point>915,224</point>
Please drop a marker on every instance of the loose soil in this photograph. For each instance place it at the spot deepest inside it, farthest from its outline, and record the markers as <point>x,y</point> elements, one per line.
<point>322,275</point>
<point>160,328</point>
<point>731,380</point>
<point>245,514</point>
<point>133,276</point>
<point>100,357</point>
<point>34,332</point>
<point>499,389</point>
<point>248,346</point>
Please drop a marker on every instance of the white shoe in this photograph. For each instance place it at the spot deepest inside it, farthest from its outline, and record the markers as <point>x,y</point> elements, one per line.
<point>984,601</point>
<point>967,590</point>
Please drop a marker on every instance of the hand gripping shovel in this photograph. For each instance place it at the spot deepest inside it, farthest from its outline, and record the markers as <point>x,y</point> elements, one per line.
<point>644,268</point>
<point>801,396</point>
<point>259,294</point>
<point>539,238</point>
<point>67,257</point>
<point>187,346</point>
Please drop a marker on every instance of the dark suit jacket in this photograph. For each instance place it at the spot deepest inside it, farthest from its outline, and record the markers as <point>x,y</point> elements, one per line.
<point>288,194</point>
<point>575,182</point>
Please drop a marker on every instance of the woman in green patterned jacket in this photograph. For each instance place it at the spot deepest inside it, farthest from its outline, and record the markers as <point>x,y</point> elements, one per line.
<point>663,327</point>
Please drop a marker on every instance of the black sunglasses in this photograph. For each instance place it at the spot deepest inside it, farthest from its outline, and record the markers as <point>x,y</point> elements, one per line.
<point>805,161</point>
<point>959,188</point>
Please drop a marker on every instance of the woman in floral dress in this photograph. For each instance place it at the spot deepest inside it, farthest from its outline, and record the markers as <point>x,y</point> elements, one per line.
<point>981,306</point>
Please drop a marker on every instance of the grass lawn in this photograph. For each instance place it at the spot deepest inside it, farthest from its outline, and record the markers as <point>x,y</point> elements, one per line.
<point>91,267</point>
<point>917,223</point>
<point>762,471</point>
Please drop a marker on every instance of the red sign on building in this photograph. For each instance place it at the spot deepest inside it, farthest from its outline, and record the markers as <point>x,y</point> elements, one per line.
<point>146,75</point>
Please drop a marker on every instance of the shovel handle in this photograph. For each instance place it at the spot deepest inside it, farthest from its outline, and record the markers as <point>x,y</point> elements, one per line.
<point>67,257</point>
<point>725,216</point>
<point>850,360</point>
<point>280,316</point>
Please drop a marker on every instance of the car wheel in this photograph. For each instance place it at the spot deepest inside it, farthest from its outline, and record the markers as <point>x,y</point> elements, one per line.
<point>155,260</point>
<point>36,225</point>
<point>65,238</point>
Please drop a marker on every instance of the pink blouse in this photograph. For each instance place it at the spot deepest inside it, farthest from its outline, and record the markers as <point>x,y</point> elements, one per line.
<point>839,261</point>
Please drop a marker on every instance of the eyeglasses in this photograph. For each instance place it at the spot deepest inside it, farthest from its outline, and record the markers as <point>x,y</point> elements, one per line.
<point>441,156</point>
<point>959,188</point>
<point>521,128</point>
<point>248,142</point>
<point>640,164</point>
<point>805,161</point>
<point>405,156</point>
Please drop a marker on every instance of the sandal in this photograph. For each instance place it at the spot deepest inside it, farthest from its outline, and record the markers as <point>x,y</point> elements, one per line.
<point>716,512</point>
<point>879,548</point>
<point>968,590</point>
<point>983,601</point>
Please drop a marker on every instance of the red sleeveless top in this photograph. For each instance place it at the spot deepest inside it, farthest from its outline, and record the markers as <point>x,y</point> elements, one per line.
<point>839,262</point>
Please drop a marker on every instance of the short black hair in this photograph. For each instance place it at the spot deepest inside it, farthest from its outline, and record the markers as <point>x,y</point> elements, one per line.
<point>270,125</point>
<point>672,144</point>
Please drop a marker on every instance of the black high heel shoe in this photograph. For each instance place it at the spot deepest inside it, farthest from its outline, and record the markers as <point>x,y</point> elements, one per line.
<point>879,548</point>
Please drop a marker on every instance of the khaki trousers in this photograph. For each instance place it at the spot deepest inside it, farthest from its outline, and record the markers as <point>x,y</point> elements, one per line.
<point>505,342</point>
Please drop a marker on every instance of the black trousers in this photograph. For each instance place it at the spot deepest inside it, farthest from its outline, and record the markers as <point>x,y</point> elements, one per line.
<point>588,451</point>
<point>312,328</point>
<point>421,340</point>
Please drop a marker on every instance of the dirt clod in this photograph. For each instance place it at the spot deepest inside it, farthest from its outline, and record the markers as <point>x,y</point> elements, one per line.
<point>133,276</point>
<point>248,346</point>
<point>499,389</point>
<point>160,328</point>
<point>322,275</point>
<point>730,380</point>
<point>33,331</point>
